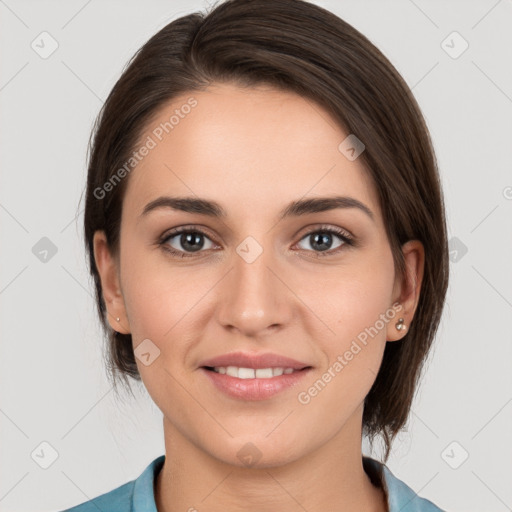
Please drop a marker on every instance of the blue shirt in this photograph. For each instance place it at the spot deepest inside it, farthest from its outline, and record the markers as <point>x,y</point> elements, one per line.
<point>138,495</point>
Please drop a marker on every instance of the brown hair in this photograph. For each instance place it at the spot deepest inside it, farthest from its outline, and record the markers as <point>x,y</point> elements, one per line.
<point>300,47</point>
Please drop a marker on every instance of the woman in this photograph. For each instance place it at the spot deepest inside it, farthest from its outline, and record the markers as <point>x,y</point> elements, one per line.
<point>266,233</point>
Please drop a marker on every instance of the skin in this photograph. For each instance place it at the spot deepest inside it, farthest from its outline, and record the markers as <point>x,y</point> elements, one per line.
<point>254,150</point>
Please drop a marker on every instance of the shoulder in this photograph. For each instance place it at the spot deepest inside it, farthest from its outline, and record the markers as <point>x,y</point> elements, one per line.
<point>135,495</point>
<point>399,495</point>
<point>120,498</point>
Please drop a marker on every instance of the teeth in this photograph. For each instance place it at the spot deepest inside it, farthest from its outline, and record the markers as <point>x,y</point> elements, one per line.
<point>251,373</point>
<point>263,373</point>
<point>232,371</point>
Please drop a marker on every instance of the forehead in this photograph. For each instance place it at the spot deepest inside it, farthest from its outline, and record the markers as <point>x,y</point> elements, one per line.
<point>241,146</point>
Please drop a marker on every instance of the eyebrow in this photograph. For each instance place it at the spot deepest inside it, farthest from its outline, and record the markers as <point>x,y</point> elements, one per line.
<point>294,209</point>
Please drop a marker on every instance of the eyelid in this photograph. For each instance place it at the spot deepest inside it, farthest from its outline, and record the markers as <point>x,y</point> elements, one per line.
<point>170,233</point>
<point>330,228</point>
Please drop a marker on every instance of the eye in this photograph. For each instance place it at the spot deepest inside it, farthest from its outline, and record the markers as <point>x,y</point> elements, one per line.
<point>320,240</point>
<point>185,241</point>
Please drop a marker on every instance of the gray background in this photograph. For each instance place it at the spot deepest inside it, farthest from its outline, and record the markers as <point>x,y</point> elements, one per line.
<point>53,385</point>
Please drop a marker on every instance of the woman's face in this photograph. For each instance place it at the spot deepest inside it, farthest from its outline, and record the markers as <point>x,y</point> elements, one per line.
<point>252,280</point>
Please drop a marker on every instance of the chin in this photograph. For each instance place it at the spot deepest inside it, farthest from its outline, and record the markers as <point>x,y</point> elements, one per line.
<point>257,453</point>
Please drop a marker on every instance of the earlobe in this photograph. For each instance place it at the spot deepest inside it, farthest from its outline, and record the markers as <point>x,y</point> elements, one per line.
<point>107,267</point>
<point>408,290</point>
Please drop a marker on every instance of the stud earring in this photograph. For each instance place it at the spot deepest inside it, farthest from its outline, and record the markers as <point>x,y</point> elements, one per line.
<point>117,319</point>
<point>400,326</point>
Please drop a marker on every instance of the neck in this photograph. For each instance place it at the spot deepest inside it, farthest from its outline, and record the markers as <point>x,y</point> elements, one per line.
<point>331,477</point>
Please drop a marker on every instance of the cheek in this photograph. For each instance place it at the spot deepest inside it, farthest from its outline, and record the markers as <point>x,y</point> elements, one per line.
<point>362,303</point>
<point>353,297</point>
<point>164,305</point>
<point>354,351</point>
<point>151,296</point>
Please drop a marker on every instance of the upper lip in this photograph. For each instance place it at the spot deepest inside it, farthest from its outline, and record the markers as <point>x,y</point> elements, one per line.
<point>255,361</point>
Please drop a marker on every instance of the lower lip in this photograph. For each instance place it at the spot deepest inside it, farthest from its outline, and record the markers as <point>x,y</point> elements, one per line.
<point>254,389</point>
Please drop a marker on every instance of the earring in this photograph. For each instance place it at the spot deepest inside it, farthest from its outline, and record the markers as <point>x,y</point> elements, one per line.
<point>117,319</point>
<point>400,326</point>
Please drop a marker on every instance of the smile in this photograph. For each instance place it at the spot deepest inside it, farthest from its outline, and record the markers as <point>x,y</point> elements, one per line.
<point>252,373</point>
<point>253,384</point>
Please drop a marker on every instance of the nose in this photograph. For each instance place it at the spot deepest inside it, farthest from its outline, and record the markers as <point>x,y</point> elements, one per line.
<point>253,298</point>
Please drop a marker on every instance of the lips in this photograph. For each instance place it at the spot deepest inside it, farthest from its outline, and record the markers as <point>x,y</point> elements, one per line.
<point>254,389</point>
<point>254,360</point>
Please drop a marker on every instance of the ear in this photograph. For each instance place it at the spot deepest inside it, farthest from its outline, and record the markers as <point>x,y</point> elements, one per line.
<point>407,291</point>
<point>107,266</point>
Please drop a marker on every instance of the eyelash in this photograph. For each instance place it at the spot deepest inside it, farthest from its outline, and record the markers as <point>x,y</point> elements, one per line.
<point>341,233</point>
